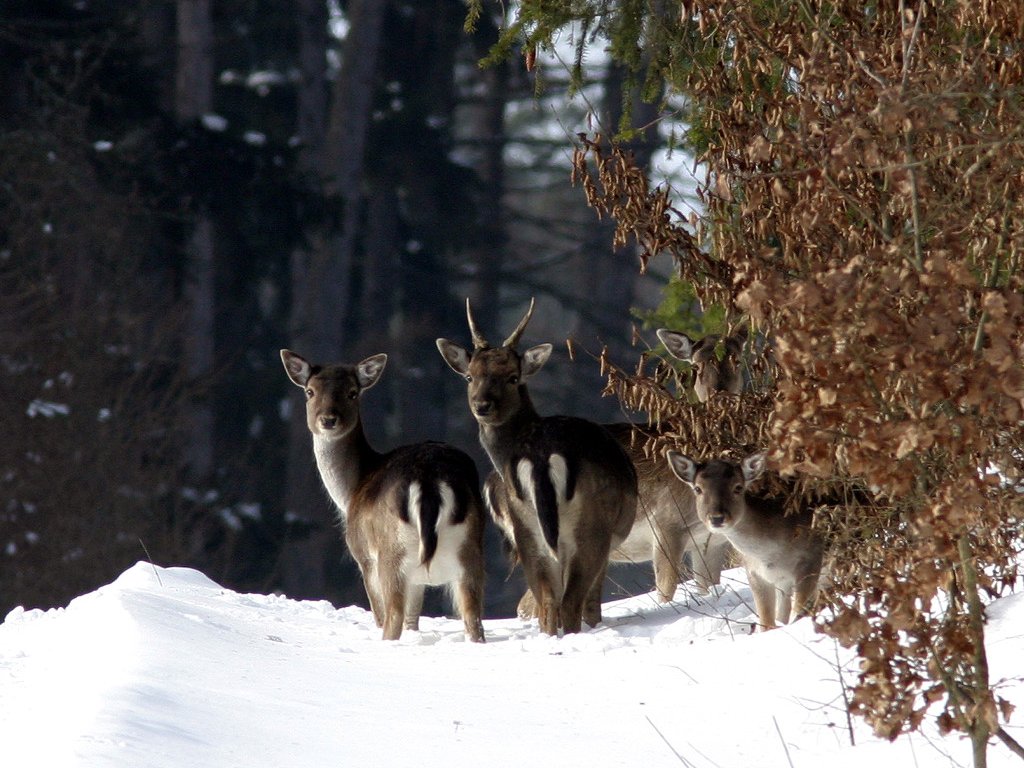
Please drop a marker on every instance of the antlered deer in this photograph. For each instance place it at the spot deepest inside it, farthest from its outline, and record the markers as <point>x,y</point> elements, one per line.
<point>782,553</point>
<point>413,516</point>
<point>571,488</point>
<point>667,530</point>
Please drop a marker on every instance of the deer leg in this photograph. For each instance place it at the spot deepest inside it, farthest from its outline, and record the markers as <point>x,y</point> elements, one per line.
<point>547,607</point>
<point>392,587</point>
<point>583,590</point>
<point>527,608</point>
<point>715,555</point>
<point>542,578</point>
<point>804,596</point>
<point>469,600</point>
<point>543,589</point>
<point>368,569</point>
<point>708,553</point>
<point>764,600</point>
<point>576,591</point>
<point>783,603</point>
<point>413,605</point>
<point>668,558</point>
<point>592,605</point>
<point>583,577</point>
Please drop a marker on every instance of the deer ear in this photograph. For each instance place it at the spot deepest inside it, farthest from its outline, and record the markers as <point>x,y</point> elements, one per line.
<point>679,345</point>
<point>682,467</point>
<point>753,466</point>
<point>369,370</point>
<point>534,358</point>
<point>456,357</point>
<point>297,368</point>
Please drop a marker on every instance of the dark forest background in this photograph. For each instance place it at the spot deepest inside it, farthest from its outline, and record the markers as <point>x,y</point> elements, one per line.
<point>187,187</point>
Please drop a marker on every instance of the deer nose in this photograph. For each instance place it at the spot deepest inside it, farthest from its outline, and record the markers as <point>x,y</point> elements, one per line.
<point>717,521</point>
<point>483,408</point>
<point>328,422</point>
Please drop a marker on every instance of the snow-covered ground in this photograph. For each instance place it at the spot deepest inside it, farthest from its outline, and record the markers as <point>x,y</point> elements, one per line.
<point>163,667</point>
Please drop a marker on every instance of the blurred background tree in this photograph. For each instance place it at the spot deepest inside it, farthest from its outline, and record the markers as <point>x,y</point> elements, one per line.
<point>190,185</point>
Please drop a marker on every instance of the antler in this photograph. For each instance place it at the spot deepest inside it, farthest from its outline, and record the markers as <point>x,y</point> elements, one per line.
<point>513,339</point>
<point>479,342</point>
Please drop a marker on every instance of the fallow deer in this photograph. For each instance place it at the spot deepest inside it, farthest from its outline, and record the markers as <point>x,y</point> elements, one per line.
<point>712,374</point>
<point>571,487</point>
<point>412,517</point>
<point>782,554</point>
<point>667,530</point>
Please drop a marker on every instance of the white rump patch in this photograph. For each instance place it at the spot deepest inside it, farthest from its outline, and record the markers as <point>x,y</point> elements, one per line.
<point>525,474</point>
<point>445,567</point>
<point>558,471</point>
<point>446,513</point>
<point>413,506</point>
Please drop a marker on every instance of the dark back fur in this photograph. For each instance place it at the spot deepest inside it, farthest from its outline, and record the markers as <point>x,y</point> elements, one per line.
<point>425,463</point>
<point>579,442</point>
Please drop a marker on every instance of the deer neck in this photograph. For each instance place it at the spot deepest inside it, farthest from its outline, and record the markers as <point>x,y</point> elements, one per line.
<point>500,440</point>
<point>757,531</point>
<point>343,463</point>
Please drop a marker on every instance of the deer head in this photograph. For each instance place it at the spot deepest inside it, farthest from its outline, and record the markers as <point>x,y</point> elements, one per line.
<point>496,376</point>
<point>332,392</point>
<point>720,487</point>
<point>712,374</point>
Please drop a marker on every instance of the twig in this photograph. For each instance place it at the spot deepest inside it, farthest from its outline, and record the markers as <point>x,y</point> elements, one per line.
<point>846,698</point>
<point>151,565</point>
<point>979,730</point>
<point>990,282</point>
<point>784,747</point>
<point>908,46</point>
<point>915,202</point>
<point>668,744</point>
<point>1011,743</point>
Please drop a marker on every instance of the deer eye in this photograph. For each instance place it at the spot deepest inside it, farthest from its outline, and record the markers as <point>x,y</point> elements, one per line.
<point>737,489</point>
<point>697,490</point>
<point>309,393</point>
<point>353,394</point>
<point>513,379</point>
<point>468,377</point>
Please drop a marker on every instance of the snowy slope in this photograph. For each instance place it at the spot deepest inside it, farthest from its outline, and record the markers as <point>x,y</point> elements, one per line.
<point>165,668</point>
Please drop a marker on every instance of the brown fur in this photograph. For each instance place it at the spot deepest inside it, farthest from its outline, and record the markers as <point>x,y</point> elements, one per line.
<point>782,553</point>
<point>712,374</point>
<point>399,551</point>
<point>667,529</point>
<point>568,487</point>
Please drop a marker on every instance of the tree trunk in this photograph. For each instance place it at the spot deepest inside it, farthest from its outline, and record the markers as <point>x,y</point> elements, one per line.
<point>321,277</point>
<point>610,277</point>
<point>311,116</point>
<point>490,259</point>
<point>193,98</point>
